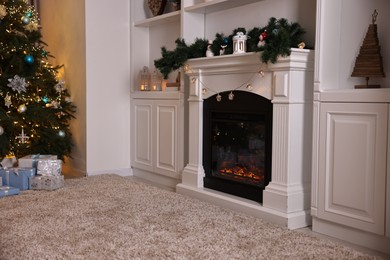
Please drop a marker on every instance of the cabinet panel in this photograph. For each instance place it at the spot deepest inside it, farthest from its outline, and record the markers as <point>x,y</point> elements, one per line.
<point>352,168</point>
<point>142,135</point>
<point>166,137</point>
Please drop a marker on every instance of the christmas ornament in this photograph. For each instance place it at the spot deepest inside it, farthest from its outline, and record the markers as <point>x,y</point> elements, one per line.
<point>55,104</point>
<point>7,101</point>
<point>17,84</point>
<point>22,137</point>
<point>231,96</point>
<point>31,27</point>
<point>204,91</point>
<point>219,98</point>
<point>1,130</point>
<point>249,87</point>
<point>3,11</point>
<point>61,133</point>
<point>29,14</point>
<point>209,52</point>
<point>301,45</point>
<point>60,86</point>
<point>262,38</point>
<point>22,108</point>
<point>25,20</point>
<point>45,99</point>
<point>29,59</point>
<point>44,53</point>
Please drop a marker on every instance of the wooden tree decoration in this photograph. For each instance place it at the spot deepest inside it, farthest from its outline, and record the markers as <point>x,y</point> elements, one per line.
<point>369,61</point>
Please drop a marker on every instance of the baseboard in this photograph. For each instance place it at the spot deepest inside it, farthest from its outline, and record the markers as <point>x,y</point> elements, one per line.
<point>125,172</point>
<point>351,235</point>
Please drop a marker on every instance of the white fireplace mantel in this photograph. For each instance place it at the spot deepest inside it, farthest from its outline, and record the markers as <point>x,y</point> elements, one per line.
<point>289,85</point>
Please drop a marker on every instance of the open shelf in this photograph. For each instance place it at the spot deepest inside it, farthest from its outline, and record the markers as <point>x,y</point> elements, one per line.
<point>160,19</point>
<point>217,5</point>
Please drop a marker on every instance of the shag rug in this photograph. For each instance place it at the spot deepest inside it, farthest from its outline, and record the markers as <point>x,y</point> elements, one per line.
<point>113,217</point>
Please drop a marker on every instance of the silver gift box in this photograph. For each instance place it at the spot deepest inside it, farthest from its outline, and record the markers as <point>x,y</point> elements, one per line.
<point>32,160</point>
<point>49,167</point>
<point>46,182</point>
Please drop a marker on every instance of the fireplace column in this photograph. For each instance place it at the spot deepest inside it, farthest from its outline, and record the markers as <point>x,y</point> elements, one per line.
<point>193,173</point>
<point>289,189</point>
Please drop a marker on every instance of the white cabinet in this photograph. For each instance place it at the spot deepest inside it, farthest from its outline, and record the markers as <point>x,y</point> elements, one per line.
<point>350,180</point>
<point>352,166</point>
<point>156,134</point>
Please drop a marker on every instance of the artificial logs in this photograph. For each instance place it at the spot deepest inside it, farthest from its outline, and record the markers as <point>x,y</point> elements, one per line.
<point>274,40</point>
<point>35,106</point>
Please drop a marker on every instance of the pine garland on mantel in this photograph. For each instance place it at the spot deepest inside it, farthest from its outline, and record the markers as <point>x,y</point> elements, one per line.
<point>277,39</point>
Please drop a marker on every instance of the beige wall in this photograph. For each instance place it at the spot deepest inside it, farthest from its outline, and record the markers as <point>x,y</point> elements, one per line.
<point>63,29</point>
<point>91,38</point>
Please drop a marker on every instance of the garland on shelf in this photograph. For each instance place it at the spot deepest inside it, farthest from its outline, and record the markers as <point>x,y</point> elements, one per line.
<point>273,40</point>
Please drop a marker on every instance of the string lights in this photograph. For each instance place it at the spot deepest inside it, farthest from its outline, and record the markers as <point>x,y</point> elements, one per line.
<point>205,89</point>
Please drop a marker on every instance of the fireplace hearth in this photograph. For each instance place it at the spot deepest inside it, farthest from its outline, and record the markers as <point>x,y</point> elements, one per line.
<point>237,144</point>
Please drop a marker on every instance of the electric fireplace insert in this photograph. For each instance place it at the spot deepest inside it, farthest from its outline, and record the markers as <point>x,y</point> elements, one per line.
<point>237,144</point>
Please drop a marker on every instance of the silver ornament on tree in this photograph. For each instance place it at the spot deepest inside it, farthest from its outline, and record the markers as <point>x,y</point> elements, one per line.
<point>17,84</point>
<point>1,130</point>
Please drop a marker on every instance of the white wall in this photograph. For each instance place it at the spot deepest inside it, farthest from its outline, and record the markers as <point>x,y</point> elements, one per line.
<point>258,14</point>
<point>108,90</point>
<point>91,37</point>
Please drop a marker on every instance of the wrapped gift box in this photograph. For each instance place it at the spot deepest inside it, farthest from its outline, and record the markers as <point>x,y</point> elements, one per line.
<point>17,177</point>
<point>32,160</point>
<point>8,162</point>
<point>7,191</point>
<point>46,182</point>
<point>49,167</point>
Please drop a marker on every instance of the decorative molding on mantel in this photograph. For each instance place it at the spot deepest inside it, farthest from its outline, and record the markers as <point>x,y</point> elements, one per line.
<point>289,85</point>
<point>300,59</point>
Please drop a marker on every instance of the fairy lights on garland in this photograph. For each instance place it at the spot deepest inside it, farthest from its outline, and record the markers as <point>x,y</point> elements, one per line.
<point>205,89</point>
<point>274,40</point>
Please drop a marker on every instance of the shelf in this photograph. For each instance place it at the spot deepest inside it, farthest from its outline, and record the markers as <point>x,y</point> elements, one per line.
<point>217,5</point>
<point>160,19</point>
<point>156,95</point>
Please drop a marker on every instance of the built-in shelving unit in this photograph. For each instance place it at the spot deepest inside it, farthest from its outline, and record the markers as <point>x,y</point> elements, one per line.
<point>158,20</point>
<point>217,5</point>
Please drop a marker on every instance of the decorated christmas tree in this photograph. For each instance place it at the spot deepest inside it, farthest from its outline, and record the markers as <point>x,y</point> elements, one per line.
<point>35,107</point>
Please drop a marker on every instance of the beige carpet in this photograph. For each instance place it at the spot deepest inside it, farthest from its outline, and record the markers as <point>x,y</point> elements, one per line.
<point>113,217</point>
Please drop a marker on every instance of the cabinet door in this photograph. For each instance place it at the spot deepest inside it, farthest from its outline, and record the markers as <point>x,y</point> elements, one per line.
<point>352,165</point>
<point>166,137</point>
<point>142,156</point>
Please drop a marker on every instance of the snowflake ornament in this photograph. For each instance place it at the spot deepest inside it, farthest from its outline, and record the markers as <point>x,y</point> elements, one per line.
<point>7,100</point>
<point>31,27</point>
<point>18,84</point>
<point>60,86</point>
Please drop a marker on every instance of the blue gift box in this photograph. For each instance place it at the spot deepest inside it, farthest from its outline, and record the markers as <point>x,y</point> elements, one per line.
<point>17,177</point>
<point>7,191</point>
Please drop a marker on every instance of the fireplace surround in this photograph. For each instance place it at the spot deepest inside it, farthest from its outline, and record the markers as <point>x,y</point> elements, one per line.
<point>288,84</point>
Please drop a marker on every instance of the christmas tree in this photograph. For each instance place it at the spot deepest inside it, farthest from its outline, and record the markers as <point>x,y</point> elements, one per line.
<point>35,106</point>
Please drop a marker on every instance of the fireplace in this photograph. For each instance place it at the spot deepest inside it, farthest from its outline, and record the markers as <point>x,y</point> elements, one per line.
<point>288,86</point>
<point>237,144</point>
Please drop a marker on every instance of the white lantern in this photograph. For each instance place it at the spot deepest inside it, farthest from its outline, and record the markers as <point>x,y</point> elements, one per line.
<point>239,43</point>
<point>156,81</point>
<point>145,79</point>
